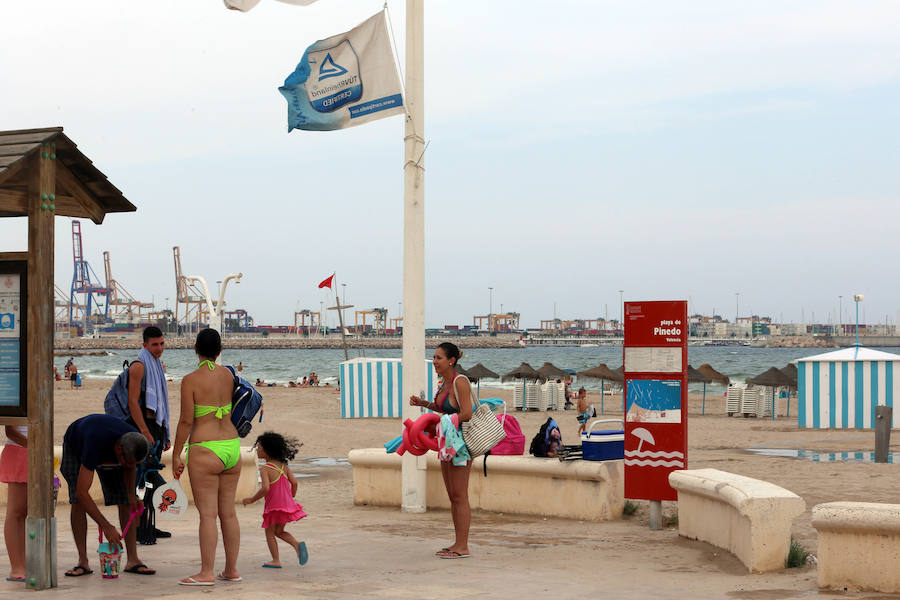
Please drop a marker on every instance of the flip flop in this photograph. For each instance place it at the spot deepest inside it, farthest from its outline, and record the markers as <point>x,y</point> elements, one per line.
<point>192,581</point>
<point>137,570</point>
<point>302,553</point>
<point>453,554</point>
<point>221,577</point>
<point>78,571</point>
<point>441,551</point>
<point>271,566</point>
<point>19,579</point>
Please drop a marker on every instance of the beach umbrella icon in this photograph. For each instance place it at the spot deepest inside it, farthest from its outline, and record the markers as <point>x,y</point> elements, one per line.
<point>643,435</point>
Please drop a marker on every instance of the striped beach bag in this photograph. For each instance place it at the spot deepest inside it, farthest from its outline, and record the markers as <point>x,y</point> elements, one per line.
<point>483,431</point>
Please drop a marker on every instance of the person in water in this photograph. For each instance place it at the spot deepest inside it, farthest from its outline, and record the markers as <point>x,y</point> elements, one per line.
<point>213,457</point>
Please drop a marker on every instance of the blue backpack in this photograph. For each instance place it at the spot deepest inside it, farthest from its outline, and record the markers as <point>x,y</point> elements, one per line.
<point>116,402</point>
<point>245,403</point>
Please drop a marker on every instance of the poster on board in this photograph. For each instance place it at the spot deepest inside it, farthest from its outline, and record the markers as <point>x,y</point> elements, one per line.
<point>12,338</point>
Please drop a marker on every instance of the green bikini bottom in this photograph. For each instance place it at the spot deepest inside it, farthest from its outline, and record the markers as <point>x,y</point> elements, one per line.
<point>228,451</point>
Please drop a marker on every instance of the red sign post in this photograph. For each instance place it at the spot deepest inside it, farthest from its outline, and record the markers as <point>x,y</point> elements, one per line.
<point>655,359</point>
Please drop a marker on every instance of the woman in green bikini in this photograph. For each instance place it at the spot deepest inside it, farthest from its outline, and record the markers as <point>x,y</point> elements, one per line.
<point>213,457</point>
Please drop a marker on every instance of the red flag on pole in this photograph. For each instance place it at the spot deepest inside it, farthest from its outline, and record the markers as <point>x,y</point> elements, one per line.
<point>327,282</point>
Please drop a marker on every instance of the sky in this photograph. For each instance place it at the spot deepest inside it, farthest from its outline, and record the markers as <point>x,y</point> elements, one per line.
<point>741,156</point>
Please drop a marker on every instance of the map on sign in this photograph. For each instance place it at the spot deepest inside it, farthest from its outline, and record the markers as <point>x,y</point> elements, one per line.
<point>653,360</point>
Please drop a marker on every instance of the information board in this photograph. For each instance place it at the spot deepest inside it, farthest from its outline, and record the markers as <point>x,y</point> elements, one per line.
<point>655,360</point>
<point>13,338</point>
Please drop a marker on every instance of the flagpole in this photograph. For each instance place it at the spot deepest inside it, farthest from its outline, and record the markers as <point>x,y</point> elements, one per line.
<point>413,468</point>
<point>340,312</point>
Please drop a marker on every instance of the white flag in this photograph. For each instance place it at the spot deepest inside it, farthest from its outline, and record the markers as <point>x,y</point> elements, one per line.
<point>345,80</point>
<point>245,5</point>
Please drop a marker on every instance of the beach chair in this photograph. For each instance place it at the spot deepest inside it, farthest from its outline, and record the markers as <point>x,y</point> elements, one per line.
<point>764,405</point>
<point>733,400</point>
<point>750,402</point>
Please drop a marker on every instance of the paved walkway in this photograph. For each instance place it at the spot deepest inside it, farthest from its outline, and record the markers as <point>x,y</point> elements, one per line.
<point>371,552</point>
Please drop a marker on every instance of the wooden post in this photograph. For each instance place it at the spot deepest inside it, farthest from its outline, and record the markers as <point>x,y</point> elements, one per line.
<point>883,420</point>
<point>40,526</point>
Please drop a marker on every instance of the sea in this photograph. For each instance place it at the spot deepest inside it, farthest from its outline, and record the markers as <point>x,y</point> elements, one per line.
<point>280,366</point>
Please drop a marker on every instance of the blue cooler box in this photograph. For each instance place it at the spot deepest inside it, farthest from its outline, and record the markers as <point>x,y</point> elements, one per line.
<point>604,444</point>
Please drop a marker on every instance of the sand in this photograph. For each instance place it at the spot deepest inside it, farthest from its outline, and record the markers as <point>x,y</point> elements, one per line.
<point>371,552</point>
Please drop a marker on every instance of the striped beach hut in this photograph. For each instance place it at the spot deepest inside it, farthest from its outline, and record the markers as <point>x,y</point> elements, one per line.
<point>373,387</point>
<point>840,390</point>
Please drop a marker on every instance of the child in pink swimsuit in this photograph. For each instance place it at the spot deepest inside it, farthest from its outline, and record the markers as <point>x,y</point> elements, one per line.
<point>279,487</point>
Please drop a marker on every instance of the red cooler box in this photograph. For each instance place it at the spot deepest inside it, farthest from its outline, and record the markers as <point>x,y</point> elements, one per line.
<point>605,443</point>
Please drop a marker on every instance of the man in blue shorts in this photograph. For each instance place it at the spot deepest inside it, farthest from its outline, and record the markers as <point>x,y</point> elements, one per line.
<point>113,449</point>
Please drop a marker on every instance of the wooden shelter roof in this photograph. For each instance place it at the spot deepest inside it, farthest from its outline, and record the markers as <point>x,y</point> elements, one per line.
<point>82,190</point>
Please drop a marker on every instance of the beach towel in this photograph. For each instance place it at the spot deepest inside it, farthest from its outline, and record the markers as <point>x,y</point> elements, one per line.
<point>157,394</point>
<point>451,446</point>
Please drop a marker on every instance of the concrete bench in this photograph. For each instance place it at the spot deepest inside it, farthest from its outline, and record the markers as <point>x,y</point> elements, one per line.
<point>859,546</point>
<point>748,517</point>
<point>247,484</point>
<point>585,490</point>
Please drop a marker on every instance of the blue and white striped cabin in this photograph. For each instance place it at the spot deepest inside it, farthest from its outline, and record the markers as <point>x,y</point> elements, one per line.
<point>373,387</point>
<point>840,390</point>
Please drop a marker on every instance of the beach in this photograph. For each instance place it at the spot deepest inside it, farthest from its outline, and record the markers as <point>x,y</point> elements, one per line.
<point>376,552</point>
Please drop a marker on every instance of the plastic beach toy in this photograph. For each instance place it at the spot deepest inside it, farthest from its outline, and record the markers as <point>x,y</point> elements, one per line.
<point>110,555</point>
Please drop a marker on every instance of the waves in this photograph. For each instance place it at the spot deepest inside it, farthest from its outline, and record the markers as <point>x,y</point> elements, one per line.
<point>651,454</point>
<point>672,464</point>
<point>645,459</point>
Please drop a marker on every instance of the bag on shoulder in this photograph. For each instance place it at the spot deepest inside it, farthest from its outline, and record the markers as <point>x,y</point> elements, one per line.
<point>116,402</point>
<point>245,403</point>
<point>483,431</point>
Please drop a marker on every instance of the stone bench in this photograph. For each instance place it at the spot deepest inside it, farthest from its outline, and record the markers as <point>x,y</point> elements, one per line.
<point>579,489</point>
<point>748,517</point>
<point>859,546</point>
<point>247,485</point>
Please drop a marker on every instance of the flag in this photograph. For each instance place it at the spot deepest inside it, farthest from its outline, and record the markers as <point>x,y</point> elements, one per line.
<point>345,80</point>
<point>245,5</point>
<point>327,282</point>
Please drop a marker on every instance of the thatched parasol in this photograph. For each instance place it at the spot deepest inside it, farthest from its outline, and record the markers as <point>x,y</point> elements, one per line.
<point>461,371</point>
<point>479,372</point>
<point>790,370</point>
<point>603,373</point>
<point>695,376</point>
<point>551,371</point>
<point>523,372</point>
<point>773,378</point>
<point>717,377</point>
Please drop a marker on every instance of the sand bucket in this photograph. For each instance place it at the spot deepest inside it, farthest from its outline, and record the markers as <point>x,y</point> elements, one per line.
<point>111,555</point>
<point>110,558</point>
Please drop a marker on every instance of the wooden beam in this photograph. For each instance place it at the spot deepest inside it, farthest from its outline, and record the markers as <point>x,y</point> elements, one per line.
<point>80,192</point>
<point>15,202</point>
<point>40,526</point>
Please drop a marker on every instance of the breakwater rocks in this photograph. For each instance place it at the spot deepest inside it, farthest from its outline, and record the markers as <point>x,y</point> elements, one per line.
<point>797,341</point>
<point>70,345</point>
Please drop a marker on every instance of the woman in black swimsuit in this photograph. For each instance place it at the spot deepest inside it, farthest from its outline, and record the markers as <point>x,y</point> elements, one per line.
<point>453,397</point>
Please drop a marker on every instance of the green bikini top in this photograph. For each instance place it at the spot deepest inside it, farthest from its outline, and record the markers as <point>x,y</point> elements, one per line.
<point>202,411</point>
